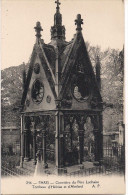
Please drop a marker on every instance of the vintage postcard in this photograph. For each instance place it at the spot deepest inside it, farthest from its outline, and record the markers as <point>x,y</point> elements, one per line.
<point>62,97</point>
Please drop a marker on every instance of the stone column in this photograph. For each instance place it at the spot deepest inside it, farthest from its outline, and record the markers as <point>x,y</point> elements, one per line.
<point>22,143</point>
<point>34,146</point>
<point>59,141</point>
<point>26,156</point>
<point>45,165</point>
<point>34,139</point>
<point>81,146</point>
<point>26,138</point>
<point>81,122</point>
<point>67,157</point>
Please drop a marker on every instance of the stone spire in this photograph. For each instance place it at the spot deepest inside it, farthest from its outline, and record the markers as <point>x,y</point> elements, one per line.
<point>58,31</point>
<point>57,16</point>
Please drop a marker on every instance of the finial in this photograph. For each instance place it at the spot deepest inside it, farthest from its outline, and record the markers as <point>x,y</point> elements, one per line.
<point>38,29</point>
<point>58,3</point>
<point>78,22</point>
<point>58,30</point>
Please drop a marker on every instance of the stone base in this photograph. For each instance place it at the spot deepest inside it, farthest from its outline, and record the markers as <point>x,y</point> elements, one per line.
<point>81,166</point>
<point>21,164</point>
<point>34,162</point>
<point>21,161</point>
<point>45,165</point>
<point>96,163</point>
<point>26,159</point>
<point>60,171</point>
<point>101,162</point>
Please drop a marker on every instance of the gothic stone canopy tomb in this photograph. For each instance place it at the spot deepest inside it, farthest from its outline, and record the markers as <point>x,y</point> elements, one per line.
<point>61,98</point>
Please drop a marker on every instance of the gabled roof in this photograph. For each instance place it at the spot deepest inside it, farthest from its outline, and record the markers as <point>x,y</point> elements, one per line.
<point>29,74</point>
<point>63,49</point>
<point>64,53</point>
<point>51,55</point>
<point>46,66</point>
<point>58,58</point>
<point>77,47</point>
<point>67,56</point>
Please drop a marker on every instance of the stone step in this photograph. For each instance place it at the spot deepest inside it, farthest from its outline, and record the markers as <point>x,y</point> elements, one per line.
<point>30,167</point>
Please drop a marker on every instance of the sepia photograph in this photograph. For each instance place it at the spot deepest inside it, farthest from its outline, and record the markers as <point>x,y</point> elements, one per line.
<point>62,97</point>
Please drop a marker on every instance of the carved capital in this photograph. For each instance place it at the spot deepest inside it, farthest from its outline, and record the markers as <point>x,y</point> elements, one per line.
<point>32,118</point>
<point>44,132</point>
<point>58,103</point>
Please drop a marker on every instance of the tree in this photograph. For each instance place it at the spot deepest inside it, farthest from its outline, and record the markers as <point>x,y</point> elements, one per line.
<point>112,73</point>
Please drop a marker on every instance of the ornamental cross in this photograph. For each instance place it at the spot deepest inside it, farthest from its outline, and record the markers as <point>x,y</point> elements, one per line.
<point>58,3</point>
<point>78,22</point>
<point>38,29</point>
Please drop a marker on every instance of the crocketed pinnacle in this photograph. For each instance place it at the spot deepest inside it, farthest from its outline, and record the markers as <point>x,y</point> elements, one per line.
<point>58,31</point>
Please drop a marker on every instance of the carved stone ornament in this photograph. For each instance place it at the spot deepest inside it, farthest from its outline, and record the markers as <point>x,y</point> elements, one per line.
<point>27,103</point>
<point>37,91</point>
<point>94,102</point>
<point>80,88</point>
<point>58,103</point>
<point>37,68</point>
<point>67,101</point>
<point>48,99</point>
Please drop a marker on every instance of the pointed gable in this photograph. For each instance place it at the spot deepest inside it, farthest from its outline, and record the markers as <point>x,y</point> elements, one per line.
<point>63,65</point>
<point>40,54</point>
<point>64,53</point>
<point>51,56</point>
<point>77,63</point>
<point>29,74</point>
<point>46,97</point>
